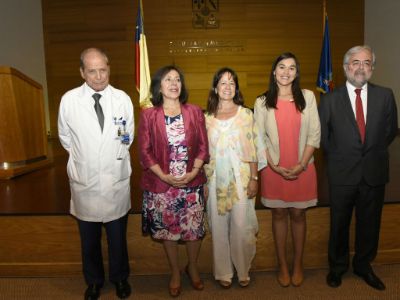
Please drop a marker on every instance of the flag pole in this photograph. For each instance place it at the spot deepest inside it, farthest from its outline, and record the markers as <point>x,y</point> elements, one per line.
<point>324,78</point>
<point>142,16</point>
<point>323,15</point>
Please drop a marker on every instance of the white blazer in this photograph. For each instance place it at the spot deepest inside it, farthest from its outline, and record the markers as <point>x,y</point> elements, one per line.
<point>99,166</point>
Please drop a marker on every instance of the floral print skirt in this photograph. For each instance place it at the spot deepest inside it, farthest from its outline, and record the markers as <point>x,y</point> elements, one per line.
<point>177,214</point>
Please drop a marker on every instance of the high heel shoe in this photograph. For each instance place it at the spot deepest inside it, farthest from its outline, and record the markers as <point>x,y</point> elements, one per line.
<point>244,283</point>
<point>174,291</point>
<point>283,282</point>
<point>297,281</point>
<point>197,285</point>
<point>225,284</point>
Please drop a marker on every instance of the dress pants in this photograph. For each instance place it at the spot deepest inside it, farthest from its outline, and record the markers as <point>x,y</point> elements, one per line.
<point>368,203</point>
<point>92,259</point>
<point>233,236</point>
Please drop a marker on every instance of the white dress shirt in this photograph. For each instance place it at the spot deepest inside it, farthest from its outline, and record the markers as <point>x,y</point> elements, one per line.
<point>364,96</point>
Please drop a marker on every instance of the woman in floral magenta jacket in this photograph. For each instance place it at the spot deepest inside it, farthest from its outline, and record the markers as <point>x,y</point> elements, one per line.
<point>173,148</point>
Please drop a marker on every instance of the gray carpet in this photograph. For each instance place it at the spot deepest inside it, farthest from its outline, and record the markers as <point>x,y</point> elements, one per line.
<point>263,286</point>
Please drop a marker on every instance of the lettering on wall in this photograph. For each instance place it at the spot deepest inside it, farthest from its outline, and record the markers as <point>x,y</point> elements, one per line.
<point>205,46</point>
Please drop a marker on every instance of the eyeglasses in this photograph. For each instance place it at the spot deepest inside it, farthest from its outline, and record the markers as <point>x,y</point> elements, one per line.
<point>367,64</point>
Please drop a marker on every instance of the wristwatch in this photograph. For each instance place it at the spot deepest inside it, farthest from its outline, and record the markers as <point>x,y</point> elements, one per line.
<point>255,178</point>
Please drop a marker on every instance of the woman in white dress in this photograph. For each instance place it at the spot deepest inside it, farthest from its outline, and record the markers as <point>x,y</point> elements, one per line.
<point>235,158</point>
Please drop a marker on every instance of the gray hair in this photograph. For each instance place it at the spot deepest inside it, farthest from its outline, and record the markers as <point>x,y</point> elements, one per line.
<point>88,50</point>
<point>355,50</point>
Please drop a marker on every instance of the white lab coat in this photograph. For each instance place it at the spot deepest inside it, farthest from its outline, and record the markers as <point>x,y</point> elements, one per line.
<point>99,166</point>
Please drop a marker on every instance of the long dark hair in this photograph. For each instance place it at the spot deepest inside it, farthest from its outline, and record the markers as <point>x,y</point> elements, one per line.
<point>155,86</point>
<point>271,95</point>
<point>213,99</point>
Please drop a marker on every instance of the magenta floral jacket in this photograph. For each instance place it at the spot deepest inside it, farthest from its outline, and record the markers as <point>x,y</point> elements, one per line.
<point>153,145</point>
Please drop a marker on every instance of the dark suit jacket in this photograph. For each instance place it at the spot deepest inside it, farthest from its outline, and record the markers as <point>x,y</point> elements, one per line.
<point>153,145</point>
<point>350,161</point>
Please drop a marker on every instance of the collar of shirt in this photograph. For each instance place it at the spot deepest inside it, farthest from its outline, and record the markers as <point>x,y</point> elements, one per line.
<point>352,96</point>
<point>89,91</point>
<point>104,100</point>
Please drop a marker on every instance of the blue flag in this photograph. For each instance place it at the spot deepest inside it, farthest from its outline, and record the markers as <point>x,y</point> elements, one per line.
<point>324,80</point>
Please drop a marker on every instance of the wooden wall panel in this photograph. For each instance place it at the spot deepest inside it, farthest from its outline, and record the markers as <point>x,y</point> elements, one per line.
<point>262,28</point>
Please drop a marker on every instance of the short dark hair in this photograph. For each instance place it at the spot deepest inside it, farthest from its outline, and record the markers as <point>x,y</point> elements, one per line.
<point>92,49</point>
<point>271,95</point>
<point>155,86</point>
<point>213,99</point>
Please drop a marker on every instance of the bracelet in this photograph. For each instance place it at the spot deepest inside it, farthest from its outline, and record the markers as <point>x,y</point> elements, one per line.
<point>304,167</point>
<point>255,178</point>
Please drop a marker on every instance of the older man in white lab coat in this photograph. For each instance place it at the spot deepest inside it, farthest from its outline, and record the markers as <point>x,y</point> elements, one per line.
<point>95,125</point>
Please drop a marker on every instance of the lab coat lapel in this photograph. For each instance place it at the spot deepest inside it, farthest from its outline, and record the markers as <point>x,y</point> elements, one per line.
<point>111,109</point>
<point>87,103</point>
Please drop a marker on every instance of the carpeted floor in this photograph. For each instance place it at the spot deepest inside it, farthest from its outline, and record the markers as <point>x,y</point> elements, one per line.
<point>263,286</point>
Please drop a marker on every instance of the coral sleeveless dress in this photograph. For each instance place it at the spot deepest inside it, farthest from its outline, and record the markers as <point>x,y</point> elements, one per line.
<point>277,192</point>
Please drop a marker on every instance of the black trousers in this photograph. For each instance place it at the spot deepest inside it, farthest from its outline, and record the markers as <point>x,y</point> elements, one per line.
<point>368,203</point>
<point>92,259</point>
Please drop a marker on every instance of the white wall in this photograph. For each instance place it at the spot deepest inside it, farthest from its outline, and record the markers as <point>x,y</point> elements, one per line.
<point>21,41</point>
<point>382,33</point>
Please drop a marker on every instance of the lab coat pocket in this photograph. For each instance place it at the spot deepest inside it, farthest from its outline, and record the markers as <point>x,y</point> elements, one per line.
<point>77,171</point>
<point>122,169</point>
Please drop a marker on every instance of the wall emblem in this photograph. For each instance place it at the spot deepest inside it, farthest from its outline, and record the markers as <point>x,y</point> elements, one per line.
<point>205,14</point>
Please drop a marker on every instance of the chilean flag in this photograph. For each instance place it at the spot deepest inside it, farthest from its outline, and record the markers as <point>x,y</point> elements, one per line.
<point>142,62</point>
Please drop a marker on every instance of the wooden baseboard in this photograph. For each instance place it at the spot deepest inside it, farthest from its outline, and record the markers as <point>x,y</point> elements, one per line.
<point>50,246</point>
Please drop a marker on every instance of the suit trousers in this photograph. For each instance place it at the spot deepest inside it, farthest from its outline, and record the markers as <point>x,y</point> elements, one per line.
<point>368,202</point>
<point>92,259</point>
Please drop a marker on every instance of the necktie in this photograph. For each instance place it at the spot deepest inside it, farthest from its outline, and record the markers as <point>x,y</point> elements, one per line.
<point>98,109</point>
<point>360,115</point>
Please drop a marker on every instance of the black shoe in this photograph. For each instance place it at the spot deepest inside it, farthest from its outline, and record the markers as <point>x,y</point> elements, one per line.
<point>333,280</point>
<point>372,280</point>
<point>123,289</point>
<point>93,292</point>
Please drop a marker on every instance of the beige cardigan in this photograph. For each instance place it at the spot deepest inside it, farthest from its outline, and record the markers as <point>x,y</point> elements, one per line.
<point>310,128</point>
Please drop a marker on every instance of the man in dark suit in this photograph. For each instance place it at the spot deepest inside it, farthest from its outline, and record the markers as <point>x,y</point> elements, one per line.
<point>358,123</point>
